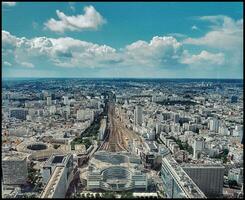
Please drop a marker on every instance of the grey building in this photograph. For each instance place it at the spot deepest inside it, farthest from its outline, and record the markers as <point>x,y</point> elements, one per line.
<point>209,178</point>
<point>18,113</point>
<point>14,167</point>
<point>176,182</point>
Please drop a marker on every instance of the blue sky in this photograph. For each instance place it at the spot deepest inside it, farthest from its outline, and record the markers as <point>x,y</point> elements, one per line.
<point>162,40</point>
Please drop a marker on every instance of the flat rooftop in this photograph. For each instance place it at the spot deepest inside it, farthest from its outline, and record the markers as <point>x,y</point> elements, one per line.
<point>58,159</point>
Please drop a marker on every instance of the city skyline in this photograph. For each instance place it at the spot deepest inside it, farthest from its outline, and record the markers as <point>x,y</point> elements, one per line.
<point>122,40</point>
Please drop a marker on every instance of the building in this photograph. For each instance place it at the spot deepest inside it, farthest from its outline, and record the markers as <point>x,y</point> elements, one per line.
<point>138,115</point>
<point>234,99</point>
<point>49,101</point>
<point>14,168</point>
<point>176,182</point>
<point>116,172</point>
<point>209,178</point>
<point>237,175</point>
<point>57,174</point>
<point>19,113</point>
<point>66,100</point>
<point>214,125</point>
<point>238,131</point>
<point>175,117</point>
<point>198,147</point>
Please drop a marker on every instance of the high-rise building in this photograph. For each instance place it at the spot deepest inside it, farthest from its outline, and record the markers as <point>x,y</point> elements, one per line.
<point>176,182</point>
<point>57,176</point>
<point>214,125</point>
<point>175,117</point>
<point>209,178</point>
<point>14,168</point>
<point>198,146</point>
<point>49,101</point>
<point>66,100</point>
<point>138,115</point>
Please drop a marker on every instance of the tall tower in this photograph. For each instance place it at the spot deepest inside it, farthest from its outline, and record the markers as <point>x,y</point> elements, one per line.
<point>66,100</point>
<point>49,101</point>
<point>138,115</point>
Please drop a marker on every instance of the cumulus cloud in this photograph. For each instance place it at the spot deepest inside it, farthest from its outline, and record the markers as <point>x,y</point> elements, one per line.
<point>64,51</point>
<point>90,20</point>
<point>8,3</point>
<point>205,58</point>
<point>161,51</point>
<point>225,34</point>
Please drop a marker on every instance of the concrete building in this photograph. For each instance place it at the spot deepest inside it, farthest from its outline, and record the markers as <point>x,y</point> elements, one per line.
<point>14,168</point>
<point>49,101</point>
<point>138,115</point>
<point>66,100</point>
<point>57,174</point>
<point>176,182</point>
<point>18,113</point>
<point>209,178</point>
<point>214,125</point>
<point>116,172</point>
<point>237,175</point>
<point>198,147</point>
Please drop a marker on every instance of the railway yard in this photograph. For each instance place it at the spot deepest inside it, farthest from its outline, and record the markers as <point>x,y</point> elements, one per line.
<point>118,136</point>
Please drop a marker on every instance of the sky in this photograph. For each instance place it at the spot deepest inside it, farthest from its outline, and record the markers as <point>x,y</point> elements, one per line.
<point>122,39</point>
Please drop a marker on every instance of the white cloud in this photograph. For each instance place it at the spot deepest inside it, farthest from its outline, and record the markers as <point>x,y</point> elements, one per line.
<point>225,34</point>
<point>9,3</point>
<point>164,52</point>
<point>194,27</point>
<point>205,59</point>
<point>90,20</point>
<point>64,51</point>
<point>27,64</point>
<point>5,63</point>
<point>177,35</point>
<point>160,51</point>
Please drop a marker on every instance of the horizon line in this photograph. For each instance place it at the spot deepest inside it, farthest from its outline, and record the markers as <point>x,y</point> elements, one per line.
<point>113,78</point>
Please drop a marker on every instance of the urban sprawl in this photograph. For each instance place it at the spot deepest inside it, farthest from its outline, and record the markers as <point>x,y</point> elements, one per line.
<point>122,138</point>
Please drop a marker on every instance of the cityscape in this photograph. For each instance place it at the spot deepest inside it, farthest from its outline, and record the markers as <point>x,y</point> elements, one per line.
<point>83,120</point>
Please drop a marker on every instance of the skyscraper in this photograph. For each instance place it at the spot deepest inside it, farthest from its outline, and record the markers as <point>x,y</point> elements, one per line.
<point>49,101</point>
<point>66,100</point>
<point>138,115</point>
<point>214,125</point>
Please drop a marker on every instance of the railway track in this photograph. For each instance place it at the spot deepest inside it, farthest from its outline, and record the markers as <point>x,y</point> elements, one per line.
<point>114,141</point>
